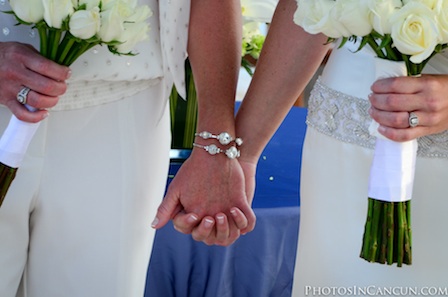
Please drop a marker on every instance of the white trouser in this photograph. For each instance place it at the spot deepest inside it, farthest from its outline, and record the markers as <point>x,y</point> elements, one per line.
<point>76,220</point>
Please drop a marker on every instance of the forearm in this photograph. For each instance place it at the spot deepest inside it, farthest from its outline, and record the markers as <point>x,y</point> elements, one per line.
<point>287,63</point>
<point>214,51</point>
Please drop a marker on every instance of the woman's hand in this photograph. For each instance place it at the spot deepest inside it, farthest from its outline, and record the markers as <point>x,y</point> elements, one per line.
<point>207,199</point>
<point>22,66</point>
<point>393,99</point>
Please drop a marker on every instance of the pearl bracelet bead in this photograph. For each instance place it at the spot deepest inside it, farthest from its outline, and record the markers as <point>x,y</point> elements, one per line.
<point>212,149</point>
<point>224,138</point>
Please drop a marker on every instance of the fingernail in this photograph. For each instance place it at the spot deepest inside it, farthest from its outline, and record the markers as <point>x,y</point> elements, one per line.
<point>45,115</point>
<point>220,219</point>
<point>208,223</point>
<point>370,111</point>
<point>381,129</point>
<point>69,74</point>
<point>192,219</point>
<point>155,222</point>
<point>233,212</point>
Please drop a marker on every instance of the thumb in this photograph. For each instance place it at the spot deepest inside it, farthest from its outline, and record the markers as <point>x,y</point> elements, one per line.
<point>169,207</point>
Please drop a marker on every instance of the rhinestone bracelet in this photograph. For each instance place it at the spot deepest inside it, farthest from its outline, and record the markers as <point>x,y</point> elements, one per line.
<point>212,149</point>
<point>224,138</point>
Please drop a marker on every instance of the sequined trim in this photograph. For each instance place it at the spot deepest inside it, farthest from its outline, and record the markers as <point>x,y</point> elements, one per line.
<point>346,118</point>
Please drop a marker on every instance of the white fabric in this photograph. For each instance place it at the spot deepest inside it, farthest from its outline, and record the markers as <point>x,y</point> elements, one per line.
<point>77,216</point>
<point>15,140</point>
<point>334,184</point>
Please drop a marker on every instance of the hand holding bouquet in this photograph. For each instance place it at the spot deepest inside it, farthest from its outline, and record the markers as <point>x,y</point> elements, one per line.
<point>405,35</point>
<point>67,29</point>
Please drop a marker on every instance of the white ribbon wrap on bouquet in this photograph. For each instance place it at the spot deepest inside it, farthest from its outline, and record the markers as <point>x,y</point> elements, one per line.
<point>393,165</point>
<point>15,141</point>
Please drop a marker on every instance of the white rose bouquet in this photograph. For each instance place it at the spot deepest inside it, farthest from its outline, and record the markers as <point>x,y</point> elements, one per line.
<point>67,29</point>
<point>405,35</point>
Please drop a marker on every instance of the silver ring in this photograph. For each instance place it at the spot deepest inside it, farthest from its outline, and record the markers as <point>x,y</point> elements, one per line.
<point>22,95</point>
<point>413,120</point>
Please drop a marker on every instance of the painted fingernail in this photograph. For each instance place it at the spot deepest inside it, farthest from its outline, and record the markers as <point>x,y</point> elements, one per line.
<point>208,223</point>
<point>192,219</point>
<point>155,222</point>
<point>220,219</point>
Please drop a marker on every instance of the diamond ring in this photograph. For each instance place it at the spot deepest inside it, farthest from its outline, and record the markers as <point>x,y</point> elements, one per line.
<point>413,120</point>
<point>22,95</point>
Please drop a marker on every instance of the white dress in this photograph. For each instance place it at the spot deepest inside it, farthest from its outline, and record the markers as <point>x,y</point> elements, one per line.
<point>335,167</point>
<point>76,220</point>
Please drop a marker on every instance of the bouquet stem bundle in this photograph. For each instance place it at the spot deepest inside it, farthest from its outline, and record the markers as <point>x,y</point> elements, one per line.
<point>387,233</point>
<point>63,48</point>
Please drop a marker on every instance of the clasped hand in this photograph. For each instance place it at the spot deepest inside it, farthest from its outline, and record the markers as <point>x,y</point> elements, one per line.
<point>210,198</point>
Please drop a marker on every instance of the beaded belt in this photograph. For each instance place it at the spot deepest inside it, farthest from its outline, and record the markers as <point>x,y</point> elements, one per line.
<point>346,118</point>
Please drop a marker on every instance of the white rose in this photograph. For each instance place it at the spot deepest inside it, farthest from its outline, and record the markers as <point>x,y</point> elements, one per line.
<point>353,15</point>
<point>430,3</point>
<point>30,11</point>
<point>57,11</point>
<point>90,4</point>
<point>111,25</point>
<point>314,16</point>
<point>442,18</point>
<point>113,16</point>
<point>85,24</point>
<point>415,31</point>
<point>381,10</point>
<point>136,28</point>
<point>133,34</point>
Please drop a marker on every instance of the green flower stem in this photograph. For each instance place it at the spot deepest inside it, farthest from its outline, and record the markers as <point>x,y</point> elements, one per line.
<point>408,219</point>
<point>173,105</point>
<point>375,227</point>
<point>407,233</point>
<point>7,175</point>
<point>376,48</point>
<point>390,233</point>
<point>76,50</point>
<point>65,47</point>
<point>84,48</point>
<point>400,235</point>
<point>368,227</point>
<point>42,29</point>
<point>247,66</point>
<point>384,231</point>
<point>191,112</point>
<point>54,38</point>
